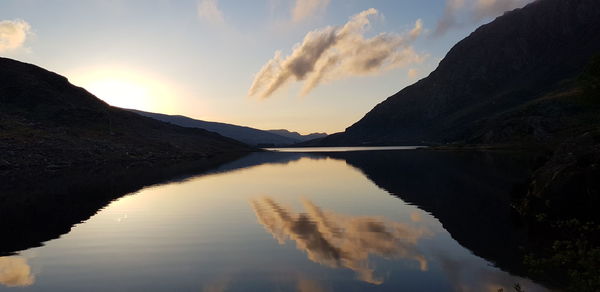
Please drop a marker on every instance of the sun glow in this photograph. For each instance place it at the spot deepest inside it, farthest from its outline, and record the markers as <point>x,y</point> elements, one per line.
<point>121,93</point>
<point>128,89</point>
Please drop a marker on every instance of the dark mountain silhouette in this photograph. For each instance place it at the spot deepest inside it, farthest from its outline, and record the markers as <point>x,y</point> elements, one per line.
<point>247,135</point>
<point>510,68</point>
<point>47,122</point>
<point>297,136</point>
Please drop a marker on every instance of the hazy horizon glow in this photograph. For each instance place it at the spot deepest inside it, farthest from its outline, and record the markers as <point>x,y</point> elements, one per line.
<point>199,57</point>
<point>127,88</point>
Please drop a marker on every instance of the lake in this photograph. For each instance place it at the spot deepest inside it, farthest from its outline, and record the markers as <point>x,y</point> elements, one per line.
<point>386,220</point>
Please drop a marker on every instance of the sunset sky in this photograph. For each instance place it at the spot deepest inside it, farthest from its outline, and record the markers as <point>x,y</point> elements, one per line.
<point>302,65</point>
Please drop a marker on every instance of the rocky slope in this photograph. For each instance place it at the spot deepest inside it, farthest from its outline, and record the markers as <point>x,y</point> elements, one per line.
<point>47,122</point>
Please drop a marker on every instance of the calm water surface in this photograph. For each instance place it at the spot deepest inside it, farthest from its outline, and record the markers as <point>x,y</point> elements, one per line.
<point>342,149</point>
<point>267,222</point>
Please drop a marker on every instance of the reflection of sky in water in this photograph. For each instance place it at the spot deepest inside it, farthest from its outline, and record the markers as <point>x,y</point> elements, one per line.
<point>202,234</point>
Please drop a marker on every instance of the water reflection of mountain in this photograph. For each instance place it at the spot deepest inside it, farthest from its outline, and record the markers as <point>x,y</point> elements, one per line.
<point>469,192</point>
<point>36,207</point>
<point>259,158</point>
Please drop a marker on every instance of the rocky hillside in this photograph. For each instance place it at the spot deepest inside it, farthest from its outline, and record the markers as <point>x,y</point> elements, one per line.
<point>47,122</point>
<point>503,66</point>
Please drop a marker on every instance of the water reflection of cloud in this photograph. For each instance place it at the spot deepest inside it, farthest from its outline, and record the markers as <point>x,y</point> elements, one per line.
<point>341,241</point>
<point>15,271</point>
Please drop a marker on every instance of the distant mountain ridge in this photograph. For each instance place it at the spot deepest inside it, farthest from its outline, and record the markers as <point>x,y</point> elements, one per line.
<point>517,58</point>
<point>297,136</point>
<point>244,134</point>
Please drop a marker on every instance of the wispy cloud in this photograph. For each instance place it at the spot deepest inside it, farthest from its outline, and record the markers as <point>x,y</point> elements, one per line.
<point>304,9</point>
<point>461,12</point>
<point>334,53</point>
<point>449,19</point>
<point>208,10</point>
<point>13,34</point>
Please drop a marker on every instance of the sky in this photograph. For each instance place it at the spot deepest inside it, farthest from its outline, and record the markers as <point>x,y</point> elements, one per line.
<point>302,65</point>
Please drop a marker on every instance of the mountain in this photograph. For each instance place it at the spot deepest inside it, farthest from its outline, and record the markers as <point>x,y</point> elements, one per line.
<point>530,78</point>
<point>247,135</point>
<point>503,69</point>
<point>47,122</point>
<point>297,136</point>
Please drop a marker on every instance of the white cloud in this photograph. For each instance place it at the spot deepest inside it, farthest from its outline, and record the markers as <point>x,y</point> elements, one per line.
<point>334,53</point>
<point>461,12</point>
<point>13,34</point>
<point>304,9</point>
<point>209,11</point>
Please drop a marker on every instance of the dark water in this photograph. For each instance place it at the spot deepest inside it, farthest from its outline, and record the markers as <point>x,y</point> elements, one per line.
<point>344,221</point>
